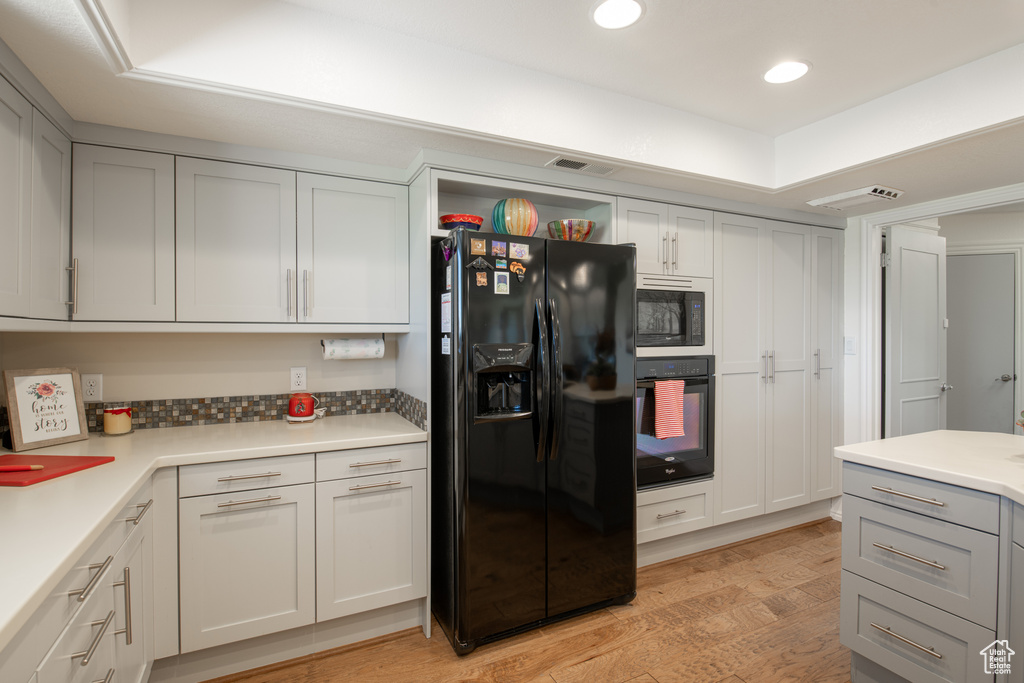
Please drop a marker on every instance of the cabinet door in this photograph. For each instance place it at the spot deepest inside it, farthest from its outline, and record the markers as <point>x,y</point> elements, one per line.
<point>691,242</point>
<point>739,350</point>
<point>827,345</point>
<point>235,242</point>
<point>15,205</point>
<point>788,409</point>
<point>645,224</point>
<point>353,251</point>
<point>123,242</point>
<point>246,564</point>
<point>371,542</point>
<point>51,219</point>
<point>132,582</point>
<point>1016,605</point>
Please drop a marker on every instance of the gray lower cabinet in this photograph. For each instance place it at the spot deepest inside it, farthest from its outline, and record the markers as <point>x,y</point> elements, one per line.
<point>1016,635</point>
<point>919,597</point>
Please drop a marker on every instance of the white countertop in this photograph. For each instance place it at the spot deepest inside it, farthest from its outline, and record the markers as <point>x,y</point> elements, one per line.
<point>45,528</point>
<point>983,461</point>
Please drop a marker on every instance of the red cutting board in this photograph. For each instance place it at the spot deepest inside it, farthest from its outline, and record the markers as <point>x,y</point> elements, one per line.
<point>53,466</point>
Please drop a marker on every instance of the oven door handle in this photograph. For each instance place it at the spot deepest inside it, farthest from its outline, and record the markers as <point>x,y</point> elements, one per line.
<point>645,385</point>
<point>543,420</point>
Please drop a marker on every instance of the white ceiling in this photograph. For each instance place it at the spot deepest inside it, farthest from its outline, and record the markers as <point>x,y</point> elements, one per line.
<point>923,95</point>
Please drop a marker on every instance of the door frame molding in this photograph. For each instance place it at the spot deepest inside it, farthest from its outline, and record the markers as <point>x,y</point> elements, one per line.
<point>868,370</point>
<point>1017,250</point>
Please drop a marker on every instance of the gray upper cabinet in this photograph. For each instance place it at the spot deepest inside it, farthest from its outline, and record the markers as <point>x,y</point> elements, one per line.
<point>669,239</point>
<point>15,195</point>
<point>123,244</point>
<point>51,220</point>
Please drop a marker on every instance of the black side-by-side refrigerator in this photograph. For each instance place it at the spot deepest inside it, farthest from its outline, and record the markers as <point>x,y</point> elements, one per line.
<point>533,491</point>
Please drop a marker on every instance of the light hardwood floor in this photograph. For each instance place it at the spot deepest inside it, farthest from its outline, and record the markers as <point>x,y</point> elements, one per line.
<point>762,610</point>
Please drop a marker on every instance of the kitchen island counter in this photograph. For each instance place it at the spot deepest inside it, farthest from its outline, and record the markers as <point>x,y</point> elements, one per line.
<point>46,527</point>
<point>982,461</point>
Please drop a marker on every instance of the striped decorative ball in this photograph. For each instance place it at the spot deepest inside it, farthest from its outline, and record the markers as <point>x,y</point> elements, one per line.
<point>515,217</point>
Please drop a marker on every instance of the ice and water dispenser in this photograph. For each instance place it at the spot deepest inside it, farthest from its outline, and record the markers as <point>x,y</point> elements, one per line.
<point>503,377</point>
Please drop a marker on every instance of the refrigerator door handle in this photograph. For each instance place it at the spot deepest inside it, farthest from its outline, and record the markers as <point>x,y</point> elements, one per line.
<point>543,419</point>
<point>556,369</point>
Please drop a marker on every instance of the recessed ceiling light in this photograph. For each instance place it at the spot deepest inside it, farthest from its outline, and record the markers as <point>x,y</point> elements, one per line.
<point>618,13</point>
<point>786,72</point>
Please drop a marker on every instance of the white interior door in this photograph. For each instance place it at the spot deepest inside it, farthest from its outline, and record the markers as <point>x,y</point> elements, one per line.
<point>980,298</point>
<point>915,314</point>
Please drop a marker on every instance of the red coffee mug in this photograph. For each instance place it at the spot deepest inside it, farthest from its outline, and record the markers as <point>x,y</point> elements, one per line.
<point>301,404</point>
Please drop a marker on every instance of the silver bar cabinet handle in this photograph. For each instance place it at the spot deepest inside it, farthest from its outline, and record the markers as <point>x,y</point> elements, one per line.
<point>288,294</point>
<point>927,650</point>
<point>664,250</point>
<point>771,359</point>
<point>232,503</point>
<point>671,514</point>
<point>376,462</point>
<point>675,251</point>
<point>250,476</point>
<point>764,359</point>
<point>86,656</point>
<point>305,294</point>
<point>74,287</point>
<point>84,593</point>
<point>911,496</point>
<point>915,558</point>
<point>109,677</point>
<point>145,508</point>
<point>817,363</point>
<point>373,486</point>
<point>127,586</point>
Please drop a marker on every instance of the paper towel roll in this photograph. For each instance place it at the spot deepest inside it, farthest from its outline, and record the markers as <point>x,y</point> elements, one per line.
<point>352,349</point>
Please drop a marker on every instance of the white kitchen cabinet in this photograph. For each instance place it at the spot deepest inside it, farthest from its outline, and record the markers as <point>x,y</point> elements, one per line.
<point>51,220</point>
<point>371,531</point>
<point>246,565</point>
<point>762,343</point>
<point>15,201</point>
<point>123,242</point>
<point>827,345</point>
<point>132,584</point>
<point>353,251</point>
<point>670,239</point>
<point>235,243</point>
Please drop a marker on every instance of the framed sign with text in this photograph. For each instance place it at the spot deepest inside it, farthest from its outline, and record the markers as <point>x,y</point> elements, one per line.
<point>44,407</point>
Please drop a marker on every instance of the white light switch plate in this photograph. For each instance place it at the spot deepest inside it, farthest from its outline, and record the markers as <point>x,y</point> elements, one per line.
<point>850,346</point>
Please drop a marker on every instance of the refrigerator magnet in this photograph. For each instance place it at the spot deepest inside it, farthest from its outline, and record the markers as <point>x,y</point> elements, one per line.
<point>500,283</point>
<point>501,264</point>
<point>481,279</point>
<point>497,249</point>
<point>519,269</point>
<point>520,251</point>
<point>478,247</point>
<point>480,263</point>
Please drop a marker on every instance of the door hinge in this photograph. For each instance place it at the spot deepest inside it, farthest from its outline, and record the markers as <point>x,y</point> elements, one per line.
<point>886,260</point>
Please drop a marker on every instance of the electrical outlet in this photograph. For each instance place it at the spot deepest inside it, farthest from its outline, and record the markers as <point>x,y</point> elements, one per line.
<point>298,380</point>
<point>92,388</point>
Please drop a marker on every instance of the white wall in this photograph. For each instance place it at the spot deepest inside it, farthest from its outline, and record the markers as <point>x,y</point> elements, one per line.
<point>139,367</point>
<point>982,228</point>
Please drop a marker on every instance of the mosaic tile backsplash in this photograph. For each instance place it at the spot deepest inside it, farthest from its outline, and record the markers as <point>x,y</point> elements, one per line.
<point>184,412</point>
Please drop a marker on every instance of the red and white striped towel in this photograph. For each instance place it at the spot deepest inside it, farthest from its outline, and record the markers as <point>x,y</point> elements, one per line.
<point>668,408</point>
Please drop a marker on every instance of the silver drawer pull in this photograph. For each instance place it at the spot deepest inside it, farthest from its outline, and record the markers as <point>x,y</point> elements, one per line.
<point>373,486</point>
<point>84,593</point>
<point>127,585</point>
<point>87,655</point>
<point>145,508</point>
<point>392,461</point>
<point>915,558</point>
<point>671,514</point>
<point>911,496</point>
<point>908,641</point>
<point>250,476</point>
<point>109,677</point>
<point>231,503</point>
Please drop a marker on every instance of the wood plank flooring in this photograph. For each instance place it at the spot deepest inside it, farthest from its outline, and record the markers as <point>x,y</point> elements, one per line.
<point>766,609</point>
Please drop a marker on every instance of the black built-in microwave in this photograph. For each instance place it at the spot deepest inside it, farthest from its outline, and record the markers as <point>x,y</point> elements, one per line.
<point>670,318</point>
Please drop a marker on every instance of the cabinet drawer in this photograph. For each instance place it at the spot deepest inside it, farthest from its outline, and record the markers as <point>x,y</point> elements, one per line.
<point>673,510</point>
<point>243,475</point>
<point>359,462</point>
<point>92,628</point>
<point>955,643</point>
<point>954,504</point>
<point>946,565</point>
<point>138,508</point>
<point>1018,524</point>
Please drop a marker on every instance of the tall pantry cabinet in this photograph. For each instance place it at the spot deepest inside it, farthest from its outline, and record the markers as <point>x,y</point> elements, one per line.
<point>769,278</point>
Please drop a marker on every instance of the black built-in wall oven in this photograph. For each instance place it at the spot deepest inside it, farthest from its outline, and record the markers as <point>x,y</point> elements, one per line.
<point>687,456</point>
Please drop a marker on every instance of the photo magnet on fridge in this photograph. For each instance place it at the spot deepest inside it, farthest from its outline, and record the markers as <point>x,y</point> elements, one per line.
<point>497,248</point>
<point>520,251</point>
<point>478,247</point>
<point>481,279</point>
<point>500,283</point>
<point>501,264</point>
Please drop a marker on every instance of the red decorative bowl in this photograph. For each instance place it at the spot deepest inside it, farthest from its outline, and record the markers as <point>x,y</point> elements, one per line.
<point>461,220</point>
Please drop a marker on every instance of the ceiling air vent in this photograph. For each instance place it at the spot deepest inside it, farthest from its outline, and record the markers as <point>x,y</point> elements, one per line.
<point>864,195</point>
<point>580,166</point>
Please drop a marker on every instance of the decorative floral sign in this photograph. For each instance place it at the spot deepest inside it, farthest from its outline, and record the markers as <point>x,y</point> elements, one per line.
<point>45,407</point>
